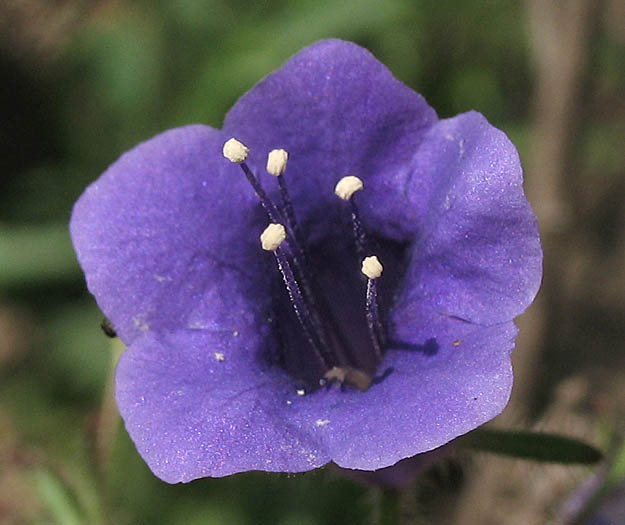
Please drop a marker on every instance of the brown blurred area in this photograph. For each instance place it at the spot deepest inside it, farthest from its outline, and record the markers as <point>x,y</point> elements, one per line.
<point>570,356</point>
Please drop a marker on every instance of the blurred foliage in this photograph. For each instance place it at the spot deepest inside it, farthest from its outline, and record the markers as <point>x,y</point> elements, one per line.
<point>113,73</point>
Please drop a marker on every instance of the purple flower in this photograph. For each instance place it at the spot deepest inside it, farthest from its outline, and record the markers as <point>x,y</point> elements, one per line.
<point>217,360</point>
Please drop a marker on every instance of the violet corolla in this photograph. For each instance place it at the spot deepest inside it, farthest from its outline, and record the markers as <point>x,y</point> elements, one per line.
<point>289,357</point>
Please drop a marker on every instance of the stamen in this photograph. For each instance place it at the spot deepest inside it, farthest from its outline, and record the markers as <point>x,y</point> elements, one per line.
<point>271,240</point>
<point>272,237</point>
<point>347,186</point>
<point>372,268</point>
<point>235,151</point>
<point>276,162</point>
<point>301,293</point>
<point>276,166</point>
<point>345,190</point>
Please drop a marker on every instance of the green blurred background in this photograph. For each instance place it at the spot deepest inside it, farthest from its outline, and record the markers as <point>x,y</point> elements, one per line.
<point>83,81</point>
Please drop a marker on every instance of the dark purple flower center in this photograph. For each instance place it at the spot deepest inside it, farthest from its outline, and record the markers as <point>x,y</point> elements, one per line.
<point>340,294</point>
<point>330,318</point>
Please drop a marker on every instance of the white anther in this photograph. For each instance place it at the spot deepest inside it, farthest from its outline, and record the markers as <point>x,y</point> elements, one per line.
<point>272,237</point>
<point>235,151</point>
<point>276,162</point>
<point>301,392</point>
<point>372,267</point>
<point>347,186</point>
<point>219,356</point>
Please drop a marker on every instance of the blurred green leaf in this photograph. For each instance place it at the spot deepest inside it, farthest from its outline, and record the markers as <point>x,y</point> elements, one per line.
<point>230,69</point>
<point>477,88</point>
<point>57,499</point>
<point>77,352</point>
<point>537,446</point>
<point>617,472</point>
<point>32,254</point>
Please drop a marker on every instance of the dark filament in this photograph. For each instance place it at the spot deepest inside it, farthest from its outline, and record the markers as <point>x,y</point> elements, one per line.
<point>359,232</point>
<point>302,312</point>
<point>373,319</point>
<point>289,215</point>
<point>269,207</point>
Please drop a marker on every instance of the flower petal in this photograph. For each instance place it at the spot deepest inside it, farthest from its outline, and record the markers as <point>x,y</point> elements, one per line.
<point>430,397</point>
<point>159,235</point>
<point>336,110</point>
<point>477,255</point>
<point>200,404</point>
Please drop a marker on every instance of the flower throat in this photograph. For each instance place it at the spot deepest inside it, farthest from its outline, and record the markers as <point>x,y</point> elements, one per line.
<point>319,327</point>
